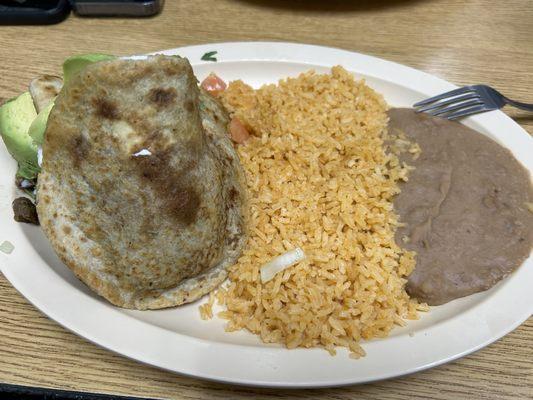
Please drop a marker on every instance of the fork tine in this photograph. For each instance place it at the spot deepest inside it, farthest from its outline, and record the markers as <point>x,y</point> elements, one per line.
<point>453,100</point>
<point>456,107</point>
<point>455,92</point>
<point>468,111</point>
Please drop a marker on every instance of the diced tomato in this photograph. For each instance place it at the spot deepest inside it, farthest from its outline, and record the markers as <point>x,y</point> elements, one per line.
<point>239,133</point>
<point>213,84</point>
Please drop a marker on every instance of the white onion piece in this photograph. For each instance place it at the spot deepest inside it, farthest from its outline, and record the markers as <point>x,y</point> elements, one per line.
<point>40,156</point>
<point>25,184</point>
<point>281,263</point>
<point>143,152</point>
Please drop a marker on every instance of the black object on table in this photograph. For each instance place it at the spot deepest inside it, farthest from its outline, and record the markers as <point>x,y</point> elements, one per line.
<point>16,392</point>
<point>33,12</point>
<point>45,12</point>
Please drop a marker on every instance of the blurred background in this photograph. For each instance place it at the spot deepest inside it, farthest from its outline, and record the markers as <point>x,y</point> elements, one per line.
<point>428,34</point>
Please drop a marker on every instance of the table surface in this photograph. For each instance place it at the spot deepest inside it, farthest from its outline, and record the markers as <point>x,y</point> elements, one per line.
<point>472,41</point>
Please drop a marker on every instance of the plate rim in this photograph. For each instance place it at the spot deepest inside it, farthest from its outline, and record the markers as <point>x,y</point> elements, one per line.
<point>283,52</point>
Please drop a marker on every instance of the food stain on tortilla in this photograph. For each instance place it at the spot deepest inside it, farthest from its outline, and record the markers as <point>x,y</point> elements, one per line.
<point>163,97</point>
<point>80,147</point>
<point>105,108</point>
<point>181,200</point>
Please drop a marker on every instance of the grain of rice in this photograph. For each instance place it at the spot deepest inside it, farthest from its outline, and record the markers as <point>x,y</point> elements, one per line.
<point>319,178</point>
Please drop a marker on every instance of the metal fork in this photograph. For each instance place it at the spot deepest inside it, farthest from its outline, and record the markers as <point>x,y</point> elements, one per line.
<point>467,100</point>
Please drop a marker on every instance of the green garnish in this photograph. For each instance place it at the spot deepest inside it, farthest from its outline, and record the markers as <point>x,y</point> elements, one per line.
<point>74,64</point>
<point>7,247</point>
<point>209,56</point>
<point>16,117</point>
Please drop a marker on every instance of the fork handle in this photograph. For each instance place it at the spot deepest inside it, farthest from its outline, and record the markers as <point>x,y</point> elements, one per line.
<point>517,104</point>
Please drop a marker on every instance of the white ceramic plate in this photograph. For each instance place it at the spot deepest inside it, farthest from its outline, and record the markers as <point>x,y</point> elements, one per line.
<point>178,340</point>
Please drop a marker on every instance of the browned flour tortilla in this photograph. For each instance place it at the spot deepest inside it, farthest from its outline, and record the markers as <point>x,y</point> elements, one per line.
<point>466,209</point>
<point>141,191</point>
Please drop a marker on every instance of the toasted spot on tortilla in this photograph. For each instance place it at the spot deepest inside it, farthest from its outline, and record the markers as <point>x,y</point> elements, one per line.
<point>80,147</point>
<point>189,106</point>
<point>163,97</point>
<point>178,195</point>
<point>106,109</point>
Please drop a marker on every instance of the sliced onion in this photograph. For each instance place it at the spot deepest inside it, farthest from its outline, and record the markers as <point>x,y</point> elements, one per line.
<point>281,263</point>
<point>40,156</point>
<point>143,152</point>
<point>26,184</point>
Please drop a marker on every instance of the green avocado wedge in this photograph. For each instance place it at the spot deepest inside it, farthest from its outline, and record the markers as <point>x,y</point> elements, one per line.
<point>38,126</point>
<point>75,64</point>
<point>16,117</point>
<point>71,67</point>
<point>22,129</point>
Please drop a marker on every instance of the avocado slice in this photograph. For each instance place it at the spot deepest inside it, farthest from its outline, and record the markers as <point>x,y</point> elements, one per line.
<point>16,117</point>
<point>71,67</point>
<point>75,64</point>
<point>22,129</point>
<point>38,126</point>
